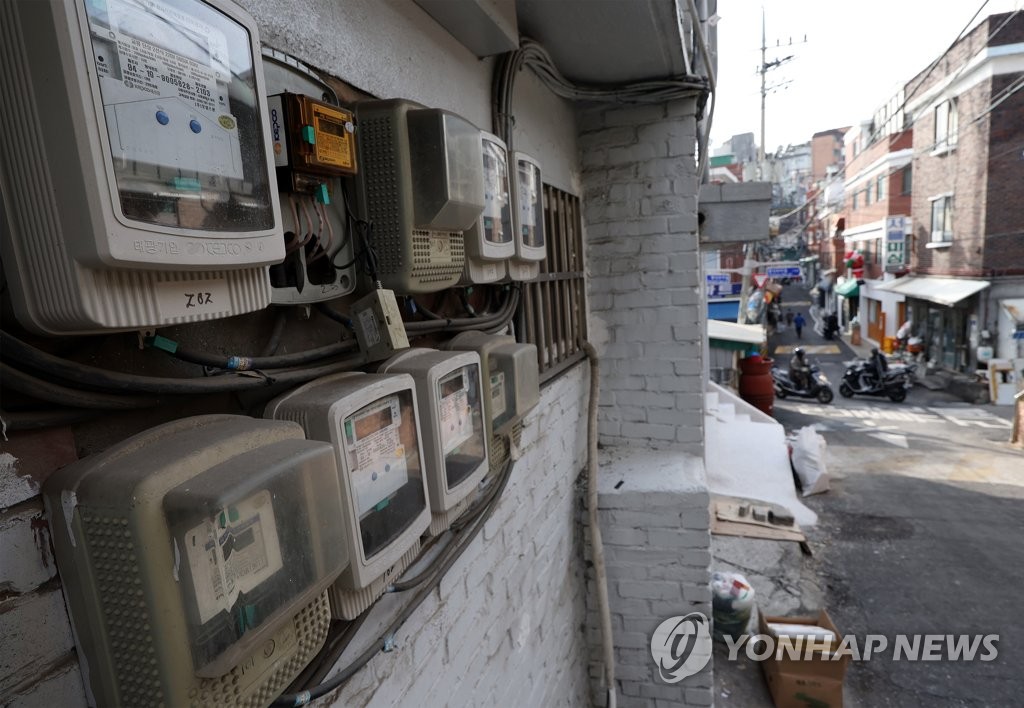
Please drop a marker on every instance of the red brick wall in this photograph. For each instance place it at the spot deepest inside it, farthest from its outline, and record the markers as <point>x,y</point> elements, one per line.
<point>894,203</point>
<point>1004,223</point>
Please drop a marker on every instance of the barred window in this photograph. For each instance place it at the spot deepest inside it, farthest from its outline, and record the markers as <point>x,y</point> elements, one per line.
<point>553,314</point>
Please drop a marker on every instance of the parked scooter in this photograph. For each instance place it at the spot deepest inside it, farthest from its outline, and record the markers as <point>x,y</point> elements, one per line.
<point>861,379</point>
<point>818,388</point>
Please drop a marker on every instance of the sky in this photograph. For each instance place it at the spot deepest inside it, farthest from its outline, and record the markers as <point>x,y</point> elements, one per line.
<point>856,57</point>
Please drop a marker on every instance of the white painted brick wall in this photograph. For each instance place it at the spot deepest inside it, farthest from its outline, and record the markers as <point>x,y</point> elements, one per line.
<point>504,628</point>
<point>640,214</point>
<point>654,524</point>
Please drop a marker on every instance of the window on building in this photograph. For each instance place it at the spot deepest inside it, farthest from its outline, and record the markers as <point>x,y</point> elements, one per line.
<point>855,200</point>
<point>906,181</point>
<point>942,219</point>
<point>947,124</point>
<point>553,307</point>
<point>867,194</point>
<point>880,188</point>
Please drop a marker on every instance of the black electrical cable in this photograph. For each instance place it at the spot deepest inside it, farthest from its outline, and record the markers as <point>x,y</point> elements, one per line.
<point>91,376</point>
<point>280,361</point>
<point>50,392</point>
<point>298,699</point>
<point>332,314</point>
<point>36,420</point>
<point>274,340</point>
<point>499,319</point>
<point>458,540</point>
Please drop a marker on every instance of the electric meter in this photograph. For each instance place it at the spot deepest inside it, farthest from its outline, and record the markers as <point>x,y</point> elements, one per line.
<point>421,186</point>
<point>490,240</point>
<point>528,203</point>
<point>195,559</point>
<point>371,421</point>
<point>137,179</point>
<point>510,376</point>
<point>451,414</point>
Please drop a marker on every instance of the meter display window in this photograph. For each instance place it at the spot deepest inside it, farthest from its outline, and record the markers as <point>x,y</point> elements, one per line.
<point>502,391</point>
<point>181,107</point>
<point>382,454</point>
<point>461,422</point>
<point>531,205</point>
<point>497,216</point>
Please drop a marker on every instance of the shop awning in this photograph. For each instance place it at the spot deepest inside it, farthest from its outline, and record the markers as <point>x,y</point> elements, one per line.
<point>732,335</point>
<point>849,288</point>
<point>728,310</point>
<point>944,291</point>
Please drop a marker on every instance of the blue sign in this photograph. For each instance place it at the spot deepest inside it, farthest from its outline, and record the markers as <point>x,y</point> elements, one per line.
<point>718,277</point>
<point>783,271</point>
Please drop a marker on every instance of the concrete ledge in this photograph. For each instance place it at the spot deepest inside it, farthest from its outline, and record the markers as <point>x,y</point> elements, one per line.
<point>734,213</point>
<point>635,470</point>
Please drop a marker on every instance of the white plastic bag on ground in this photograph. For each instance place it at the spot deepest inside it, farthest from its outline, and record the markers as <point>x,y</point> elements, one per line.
<point>732,599</point>
<point>809,461</point>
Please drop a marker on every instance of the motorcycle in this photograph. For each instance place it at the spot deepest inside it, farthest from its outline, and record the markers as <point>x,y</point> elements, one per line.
<point>819,387</point>
<point>860,378</point>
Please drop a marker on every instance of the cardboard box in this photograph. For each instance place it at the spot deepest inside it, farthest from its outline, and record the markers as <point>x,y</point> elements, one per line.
<point>798,682</point>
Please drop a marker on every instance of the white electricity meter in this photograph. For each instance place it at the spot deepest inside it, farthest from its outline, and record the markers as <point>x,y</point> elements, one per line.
<point>528,205</point>
<point>372,423</point>
<point>490,240</point>
<point>448,388</point>
<point>137,179</point>
<point>510,376</point>
<point>420,186</point>
<point>195,558</point>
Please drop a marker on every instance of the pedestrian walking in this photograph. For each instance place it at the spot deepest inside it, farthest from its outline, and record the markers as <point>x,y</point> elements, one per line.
<point>798,323</point>
<point>789,318</point>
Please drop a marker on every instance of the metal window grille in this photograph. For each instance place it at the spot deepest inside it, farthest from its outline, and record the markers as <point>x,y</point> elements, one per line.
<point>554,313</point>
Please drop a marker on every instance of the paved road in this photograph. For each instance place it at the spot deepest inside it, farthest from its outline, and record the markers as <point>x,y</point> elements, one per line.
<point>922,532</point>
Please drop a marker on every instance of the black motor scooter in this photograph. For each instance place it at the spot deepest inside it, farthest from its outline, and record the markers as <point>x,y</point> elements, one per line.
<point>861,379</point>
<point>819,387</point>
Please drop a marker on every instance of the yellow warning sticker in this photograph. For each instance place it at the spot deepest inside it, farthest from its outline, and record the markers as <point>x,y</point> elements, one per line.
<point>333,137</point>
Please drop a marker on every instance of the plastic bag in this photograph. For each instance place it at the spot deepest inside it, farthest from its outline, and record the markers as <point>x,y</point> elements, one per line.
<point>809,461</point>
<point>732,599</point>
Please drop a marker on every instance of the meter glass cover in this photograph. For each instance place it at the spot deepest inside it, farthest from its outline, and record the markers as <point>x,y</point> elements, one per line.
<point>179,97</point>
<point>382,455</point>
<point>497,215</point>
<point>461,422</point>
<point>531,204</point>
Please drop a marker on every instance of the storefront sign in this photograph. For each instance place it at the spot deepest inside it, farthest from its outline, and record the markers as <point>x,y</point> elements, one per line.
<point>895,243</point>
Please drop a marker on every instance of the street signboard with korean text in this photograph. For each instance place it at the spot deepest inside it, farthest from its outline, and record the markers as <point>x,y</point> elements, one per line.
<point>783,271</point>
<point>718,284</point>
<point>895,242</point>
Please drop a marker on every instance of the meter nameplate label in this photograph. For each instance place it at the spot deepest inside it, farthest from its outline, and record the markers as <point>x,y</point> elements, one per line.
<point>165,88</point>
<point>371,331</point>
<point>498,406</point>
<point>233,553</point>
<point>176,299</point>
<point>333,137</point>
<point>376,453</point>
<point>456,414</point>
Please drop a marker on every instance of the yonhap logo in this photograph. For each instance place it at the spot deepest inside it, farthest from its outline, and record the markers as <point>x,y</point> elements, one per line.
<point>681,646</point>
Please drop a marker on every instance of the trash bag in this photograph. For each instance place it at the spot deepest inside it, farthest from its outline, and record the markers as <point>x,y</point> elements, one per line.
<point>732,599</point>
<point>808,458</point>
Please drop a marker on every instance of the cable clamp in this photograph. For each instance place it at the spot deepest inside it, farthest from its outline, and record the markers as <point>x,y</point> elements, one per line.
<point>389,643</point>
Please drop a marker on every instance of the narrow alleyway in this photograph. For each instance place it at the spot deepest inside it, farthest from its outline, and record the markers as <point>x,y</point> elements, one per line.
<point>920,533</point>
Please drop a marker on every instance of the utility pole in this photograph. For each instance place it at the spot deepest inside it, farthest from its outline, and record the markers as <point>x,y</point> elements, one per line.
<point>765,67</point>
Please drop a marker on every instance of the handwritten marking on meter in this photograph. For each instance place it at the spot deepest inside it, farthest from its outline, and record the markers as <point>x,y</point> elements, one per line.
<point>191,298</point>
<point>456,425</point>
<point>233,553</point>
<point>374,441</point>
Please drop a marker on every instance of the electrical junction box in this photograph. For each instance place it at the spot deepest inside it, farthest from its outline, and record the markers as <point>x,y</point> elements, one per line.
<point>528,206</point>
<point>137,180</point>
<point>510,374</point>
<point>490,240</point>
<point>378,325</point>
<point>421,186</point>
<point>195,559</point>
<point>451,415</point>
<point>313,141</point>
<point>371,421</point>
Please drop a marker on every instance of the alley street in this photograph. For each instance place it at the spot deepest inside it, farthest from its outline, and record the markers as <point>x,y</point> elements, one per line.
<point>920,533</point>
